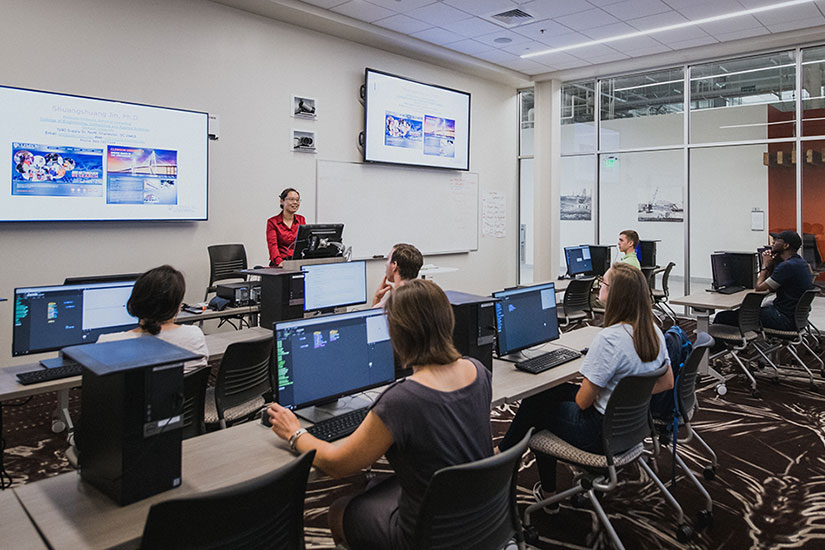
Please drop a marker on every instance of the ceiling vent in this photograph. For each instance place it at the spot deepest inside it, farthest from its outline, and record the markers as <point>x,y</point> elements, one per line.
<point>511,18</point>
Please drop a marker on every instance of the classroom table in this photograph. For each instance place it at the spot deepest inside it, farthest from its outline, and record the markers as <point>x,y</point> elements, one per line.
<point>16,529</point>
<point>72,514</point>
<point>186,318</point>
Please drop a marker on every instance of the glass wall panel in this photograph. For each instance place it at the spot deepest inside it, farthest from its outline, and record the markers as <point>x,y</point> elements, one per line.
<point>743,99</point>
<point>526,235</point>
<point>737,195</point>
<point>813,206</point>
<point>813,91</point>
<point>645,191</point>
<point>644,110</point>
<point>578,180</point>
<point>578,118</point>
<point>527,122</point>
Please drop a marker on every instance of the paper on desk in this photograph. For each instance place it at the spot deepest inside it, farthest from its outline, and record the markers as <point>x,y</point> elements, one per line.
<point>493,214</point>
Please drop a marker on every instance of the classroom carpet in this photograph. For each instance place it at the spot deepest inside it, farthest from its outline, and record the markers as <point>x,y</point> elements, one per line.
<point>769,491</point>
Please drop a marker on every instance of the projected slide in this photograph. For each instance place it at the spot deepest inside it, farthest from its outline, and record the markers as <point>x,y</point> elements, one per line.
<point>78,158</point>
<point>413,123</point>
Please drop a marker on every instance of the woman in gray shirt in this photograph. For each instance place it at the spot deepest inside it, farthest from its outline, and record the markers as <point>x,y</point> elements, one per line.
<point>438,417</point>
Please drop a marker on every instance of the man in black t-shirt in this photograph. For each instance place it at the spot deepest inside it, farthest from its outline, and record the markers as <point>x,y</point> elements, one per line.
<point>784,272</point>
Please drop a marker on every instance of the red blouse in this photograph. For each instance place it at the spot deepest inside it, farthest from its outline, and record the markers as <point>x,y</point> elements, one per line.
<point>281,239</point>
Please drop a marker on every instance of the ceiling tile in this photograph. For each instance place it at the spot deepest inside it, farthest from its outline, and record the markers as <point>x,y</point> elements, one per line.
<point>693,43</point>
<point>658,20</point>
<point>596,50</point>
<point>326,4</point>
<point>436,36</point>
<point>471,27</point>
<point>679,35</point>
<point>567,39</point>
<point>631,9</point>
<point>602,3</point>
<point>482,7</point>
<point>746,33</point>
<point>359,9</point>
<point>648,51</point>
<point>609,31</point>
<point>709,8</point>
<point>587,19</point>
<point>758,3</point>
<point>528,66</point>
<point>437,14</point>
<point>634,44</point>
<point>502,34</point>
<point>469,46</point>
<point>542,9</point>
<point>498,56</point>
<point>402,24</point>
<point>791,13</point>
<point>542,29</point>
<point>731,25</point>
<point>615,56</point>
<point>401,6</point>
<point>525,47</point>
<point>793,25</point>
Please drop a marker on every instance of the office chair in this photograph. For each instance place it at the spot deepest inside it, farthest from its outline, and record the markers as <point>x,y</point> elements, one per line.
<point>627,423</point>
<point>262,513</point>
<point>194,398</point>
<point>225,263</point>
<point>245,382</point>
<point>660,297</point>
<point>473,506</point>
<point>684,393</point>
<point>738,339</point>
<point>789,340</point>
<point>576,303</point>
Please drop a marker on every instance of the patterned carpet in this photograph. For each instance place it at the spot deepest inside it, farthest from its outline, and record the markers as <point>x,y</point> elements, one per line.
<point>769,492</point>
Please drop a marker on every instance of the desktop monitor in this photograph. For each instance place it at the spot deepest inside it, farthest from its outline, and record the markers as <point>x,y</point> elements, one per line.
<point>600,257</point>
<point>734,269</point>
<point>49,318</point>
<point>319,240</point>
<point>525,317</point>
<point>578,260</point>
<point>323,358</point>
<point>92,279</point>
<point>327,286</point>
<point>721,270</point>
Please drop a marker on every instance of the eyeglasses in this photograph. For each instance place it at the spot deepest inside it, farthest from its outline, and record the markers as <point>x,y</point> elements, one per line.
<point>292,200</point>
<point>603,283</point>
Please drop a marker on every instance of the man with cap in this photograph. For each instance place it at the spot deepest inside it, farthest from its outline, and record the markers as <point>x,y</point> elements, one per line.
<point>784,272</point>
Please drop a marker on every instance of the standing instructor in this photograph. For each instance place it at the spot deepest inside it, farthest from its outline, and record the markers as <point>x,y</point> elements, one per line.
<point>282,229</point>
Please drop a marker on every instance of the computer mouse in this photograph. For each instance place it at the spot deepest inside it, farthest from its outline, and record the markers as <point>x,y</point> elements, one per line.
<point>584,351</point>
<point>265,417</point>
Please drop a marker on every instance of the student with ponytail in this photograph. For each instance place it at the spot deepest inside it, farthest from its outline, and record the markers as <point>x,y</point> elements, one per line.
<point>156,299</point>
<point>629,344</point>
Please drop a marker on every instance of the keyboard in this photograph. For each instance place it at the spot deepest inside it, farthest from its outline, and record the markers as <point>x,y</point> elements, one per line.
<point>545,361</point>
<point>338,426</point>
<point>730,289</point>
<point>44,375</point>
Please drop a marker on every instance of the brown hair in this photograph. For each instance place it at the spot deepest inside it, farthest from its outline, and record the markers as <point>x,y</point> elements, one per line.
<point>156,297</point>
<point>629,302</point>
<point>631,235</point>
<point>409,260</point>
<point>421,321</point>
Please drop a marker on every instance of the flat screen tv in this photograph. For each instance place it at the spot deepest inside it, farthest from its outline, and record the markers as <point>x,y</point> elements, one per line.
<point>70,158</point>
<point>409,122</point>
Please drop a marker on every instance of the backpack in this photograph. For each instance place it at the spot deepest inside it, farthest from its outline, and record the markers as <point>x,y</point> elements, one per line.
<point>663,405</point>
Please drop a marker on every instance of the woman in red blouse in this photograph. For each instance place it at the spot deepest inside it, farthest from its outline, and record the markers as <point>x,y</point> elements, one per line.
<point>282,229</point>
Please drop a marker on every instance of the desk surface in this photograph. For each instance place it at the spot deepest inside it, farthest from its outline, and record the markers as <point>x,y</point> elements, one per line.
<point>16,530</point>
<point>711,300</point>
<point>184,317</point>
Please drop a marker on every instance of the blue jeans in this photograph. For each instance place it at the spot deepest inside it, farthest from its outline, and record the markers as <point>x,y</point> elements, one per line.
<point>768,315</point>
<point>556,410</point>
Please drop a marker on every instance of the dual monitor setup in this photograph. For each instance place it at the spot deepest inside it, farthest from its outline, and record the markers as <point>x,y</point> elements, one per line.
<point>590,259</point>
<point>734,271</point>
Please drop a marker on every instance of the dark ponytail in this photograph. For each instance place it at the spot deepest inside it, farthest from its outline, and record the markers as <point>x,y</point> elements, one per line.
<point>156,297</point>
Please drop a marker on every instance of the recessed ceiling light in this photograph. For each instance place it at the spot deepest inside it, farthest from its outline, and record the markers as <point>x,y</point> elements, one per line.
<point>502,40</point>
<point>721,17</point>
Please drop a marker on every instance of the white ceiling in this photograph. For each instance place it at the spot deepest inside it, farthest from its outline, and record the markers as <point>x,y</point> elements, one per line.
<point>466,26</point>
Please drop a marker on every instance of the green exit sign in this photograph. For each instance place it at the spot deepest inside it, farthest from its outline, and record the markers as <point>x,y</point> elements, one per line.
<point>610,162</point>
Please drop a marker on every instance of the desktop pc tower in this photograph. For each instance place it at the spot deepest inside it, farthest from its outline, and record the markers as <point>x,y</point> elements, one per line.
<point>282,297</point>
<point>475,325</point>
<point>647,253</point>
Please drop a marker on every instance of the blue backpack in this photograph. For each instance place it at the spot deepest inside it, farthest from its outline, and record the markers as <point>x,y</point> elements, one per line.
<point>663,405</point>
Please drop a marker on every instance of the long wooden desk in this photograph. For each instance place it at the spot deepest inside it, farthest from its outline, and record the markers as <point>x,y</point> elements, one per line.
<point>74,515</point>
<point>16,530</point>
<point>185,318</point>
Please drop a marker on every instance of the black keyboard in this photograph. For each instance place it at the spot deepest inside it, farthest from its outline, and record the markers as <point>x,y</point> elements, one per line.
<point>730,289</point>
<point>554,358</point>
<point>338,426</point>
<point>44,375</point>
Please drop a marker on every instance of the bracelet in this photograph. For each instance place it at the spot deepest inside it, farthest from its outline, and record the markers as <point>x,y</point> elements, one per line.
<point>293,439</point>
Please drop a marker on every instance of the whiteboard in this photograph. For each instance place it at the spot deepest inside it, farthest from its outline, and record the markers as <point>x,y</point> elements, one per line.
<point>435,210</point>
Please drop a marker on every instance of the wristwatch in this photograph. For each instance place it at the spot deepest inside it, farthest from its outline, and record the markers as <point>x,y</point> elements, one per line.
<point>293,439</point>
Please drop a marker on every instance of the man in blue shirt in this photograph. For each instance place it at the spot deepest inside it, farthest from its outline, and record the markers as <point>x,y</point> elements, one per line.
<point>784,272</point>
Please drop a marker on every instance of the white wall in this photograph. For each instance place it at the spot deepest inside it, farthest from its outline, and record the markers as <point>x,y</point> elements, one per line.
<point>198,55</point>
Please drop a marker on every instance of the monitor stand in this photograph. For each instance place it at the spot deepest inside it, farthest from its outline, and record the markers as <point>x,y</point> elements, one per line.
<point>336,408</point>
<point>516,357</point>
<point>59,361</point>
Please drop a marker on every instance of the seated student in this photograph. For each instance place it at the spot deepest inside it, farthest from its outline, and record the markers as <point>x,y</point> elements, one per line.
<point>156,299</point>
<point>630,344</point>
<point>784,272</point>
<point>438,417</point>
<point>403,264</point>
<point>628,239</point>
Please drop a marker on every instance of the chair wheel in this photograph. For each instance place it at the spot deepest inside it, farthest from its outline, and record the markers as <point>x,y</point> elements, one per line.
<point>721,389</point>
<point>531,535</point>
<point>58,426</point>
<point>704,519</point>
<point>684,533</point>
<point>756,394</point>
<point>579,501</point>
<point>709,472</point>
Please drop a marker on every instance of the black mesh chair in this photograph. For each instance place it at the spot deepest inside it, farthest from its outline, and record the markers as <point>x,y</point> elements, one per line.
<point>660,296</point>
<point>245,383</point>
<point>738,339</point>
<point>473,506</point>
<point>686,405</point>
<point>627,423</point>
<point>259,514</point>
<point>194,397</point>
<point>576,306</point>
<point>225,262</point>
<point>790,340</point>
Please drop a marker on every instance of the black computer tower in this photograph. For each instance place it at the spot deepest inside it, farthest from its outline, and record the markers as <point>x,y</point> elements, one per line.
<point>475,325</point>
<point>282,297</point>
<point>648,253</point>
<point>130,431</point>
<point>600,257</point>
